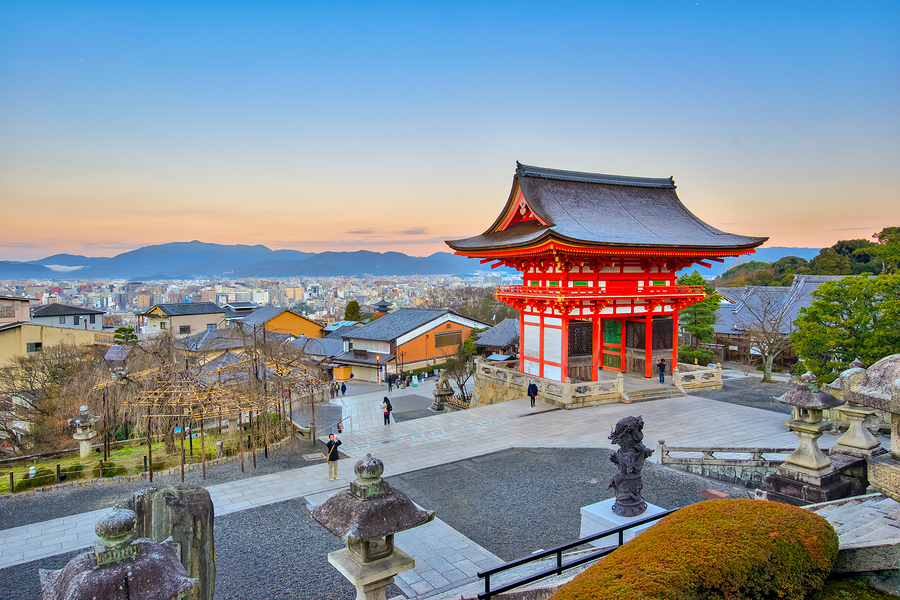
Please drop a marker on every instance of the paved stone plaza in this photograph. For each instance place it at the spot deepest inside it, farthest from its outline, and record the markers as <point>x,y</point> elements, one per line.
<point>423,450</point>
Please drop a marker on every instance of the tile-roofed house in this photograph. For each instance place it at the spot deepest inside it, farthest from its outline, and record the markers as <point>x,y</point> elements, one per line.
<point>239,307</point>
<point>745,304</point>
<point>180,319</point>
<point>282,320</point>
<point>340,332</point>
<point>408,338</point>
<point>502,338</point>
<point>319,348</point>
<point>62,315</point>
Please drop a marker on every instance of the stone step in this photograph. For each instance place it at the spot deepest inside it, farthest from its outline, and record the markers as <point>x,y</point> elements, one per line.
<point>869,531</point>
<point>645,397</point>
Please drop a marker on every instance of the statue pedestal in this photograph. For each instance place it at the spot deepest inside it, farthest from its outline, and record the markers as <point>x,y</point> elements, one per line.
<point>798,486</point>
<point>884,475</point>
<point>84,443</point>
<point>441,396</point>
<point>371,579</point>
<point>600,517</point>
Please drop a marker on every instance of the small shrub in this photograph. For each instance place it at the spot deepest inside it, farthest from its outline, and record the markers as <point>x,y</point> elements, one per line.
<point>747,549</point>
<point>41,478</point>
<point>111,469</point>
<point>686,355</point>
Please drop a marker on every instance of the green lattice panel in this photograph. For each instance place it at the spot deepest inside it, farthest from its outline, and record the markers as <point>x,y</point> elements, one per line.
<point>612,332</point>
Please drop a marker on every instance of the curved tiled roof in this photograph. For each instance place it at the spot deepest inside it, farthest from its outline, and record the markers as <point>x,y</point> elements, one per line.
<point>597,210</point>
<point>63,310</point>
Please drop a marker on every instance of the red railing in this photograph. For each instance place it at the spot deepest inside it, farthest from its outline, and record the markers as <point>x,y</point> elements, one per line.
<point>588,293</point>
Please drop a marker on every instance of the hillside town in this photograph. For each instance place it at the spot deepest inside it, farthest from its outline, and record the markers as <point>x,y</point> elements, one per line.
<point>582,300</point>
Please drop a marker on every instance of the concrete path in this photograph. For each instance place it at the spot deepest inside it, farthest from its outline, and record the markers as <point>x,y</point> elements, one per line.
<point>424,443</point>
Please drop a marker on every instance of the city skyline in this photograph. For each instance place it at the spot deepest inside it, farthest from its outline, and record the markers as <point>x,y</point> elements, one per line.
<point>348,126</point>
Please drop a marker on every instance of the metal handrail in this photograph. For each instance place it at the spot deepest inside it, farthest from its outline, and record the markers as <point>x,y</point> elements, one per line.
<point>558,551</point>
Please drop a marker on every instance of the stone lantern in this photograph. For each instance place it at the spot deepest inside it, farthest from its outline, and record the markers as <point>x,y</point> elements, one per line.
<point>367,516</point>
<point>121,565</point>
<point>84,430</point>
<point>807,421</point>
<point>807,475</point>
<point>857,441</point>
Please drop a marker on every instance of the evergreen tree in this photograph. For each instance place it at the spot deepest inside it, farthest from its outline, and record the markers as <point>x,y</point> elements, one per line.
<point>125,336</point>
<point>352,313</point>
<point>698,319</point>
<point>855,317</point>
<point>887,250</point>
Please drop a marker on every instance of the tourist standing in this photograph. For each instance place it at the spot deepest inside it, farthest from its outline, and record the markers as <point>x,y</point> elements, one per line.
<point>390,383</point>
<point>532,391</point>
<point>343,389</point>
<point>387,408</point>
<point>333,456</point>
<point>661,367</point>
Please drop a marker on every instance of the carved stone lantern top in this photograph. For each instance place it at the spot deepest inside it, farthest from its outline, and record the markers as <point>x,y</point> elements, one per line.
<point>150,570</point>
<point>84,419</point>
<point>809,404</point>
<point>370,509</point>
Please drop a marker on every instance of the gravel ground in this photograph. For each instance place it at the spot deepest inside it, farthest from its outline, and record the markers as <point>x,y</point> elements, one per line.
<point>19,509</point>
<point>285,558</point>
<point>511,502</point>
<point>750,391</point>
<point>517,501</point>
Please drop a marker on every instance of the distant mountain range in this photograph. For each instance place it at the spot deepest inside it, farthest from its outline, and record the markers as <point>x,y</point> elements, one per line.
<point>194,260</point>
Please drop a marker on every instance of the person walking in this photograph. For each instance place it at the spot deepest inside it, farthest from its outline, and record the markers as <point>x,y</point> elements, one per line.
<point>333,456</point>
<point>343,389</point>
<point>661,367</point>
<point>387,408</point>
<point>390,383</point>
<point>532,391</point>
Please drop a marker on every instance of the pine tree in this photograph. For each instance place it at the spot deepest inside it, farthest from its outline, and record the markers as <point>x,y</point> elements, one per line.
<point>698,319</point>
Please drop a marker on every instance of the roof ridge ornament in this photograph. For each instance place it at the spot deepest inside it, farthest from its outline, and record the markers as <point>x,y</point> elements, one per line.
<point>583,176</point>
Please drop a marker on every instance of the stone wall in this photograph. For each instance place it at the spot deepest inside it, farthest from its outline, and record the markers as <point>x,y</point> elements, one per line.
<point>751,477</point>
<point>692,378</point>
<point>497,384</point>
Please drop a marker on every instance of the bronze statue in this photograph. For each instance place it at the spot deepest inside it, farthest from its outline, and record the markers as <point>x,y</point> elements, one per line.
<point>630,457</point>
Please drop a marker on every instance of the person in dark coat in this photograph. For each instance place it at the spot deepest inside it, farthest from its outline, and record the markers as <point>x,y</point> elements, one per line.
<point>532,391</point>
<point>661,367</point>
<point>343,389</point>
<point>333,456</point>
<point>390,381</point>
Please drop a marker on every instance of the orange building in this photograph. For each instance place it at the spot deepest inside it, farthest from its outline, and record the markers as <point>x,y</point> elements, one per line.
<point>406,339</point>
<point>283,320</point>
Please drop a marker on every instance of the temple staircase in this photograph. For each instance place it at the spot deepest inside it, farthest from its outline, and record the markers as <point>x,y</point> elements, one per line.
<point>646,395</point>
<point>869,531</point>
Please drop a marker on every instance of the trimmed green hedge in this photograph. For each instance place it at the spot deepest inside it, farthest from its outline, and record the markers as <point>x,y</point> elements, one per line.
<point>748,549</point>
<point>704,357</point>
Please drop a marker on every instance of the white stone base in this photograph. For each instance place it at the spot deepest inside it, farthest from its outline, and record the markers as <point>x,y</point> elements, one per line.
<point>600,517</point>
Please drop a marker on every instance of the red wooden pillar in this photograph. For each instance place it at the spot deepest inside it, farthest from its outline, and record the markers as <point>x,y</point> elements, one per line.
<point>522,339</point>
<point>598,349</point>
<point>674,338</point>
<point>648,343</point>
<point>564,351</point>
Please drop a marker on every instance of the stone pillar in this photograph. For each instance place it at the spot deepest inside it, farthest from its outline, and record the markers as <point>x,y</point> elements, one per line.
<point>184,513</point>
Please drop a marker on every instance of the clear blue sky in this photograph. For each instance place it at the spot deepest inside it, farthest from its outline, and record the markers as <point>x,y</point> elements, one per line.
<point>335,125</point>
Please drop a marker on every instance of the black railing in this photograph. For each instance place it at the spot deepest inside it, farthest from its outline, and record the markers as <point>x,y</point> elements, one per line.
<point>558,551</point>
